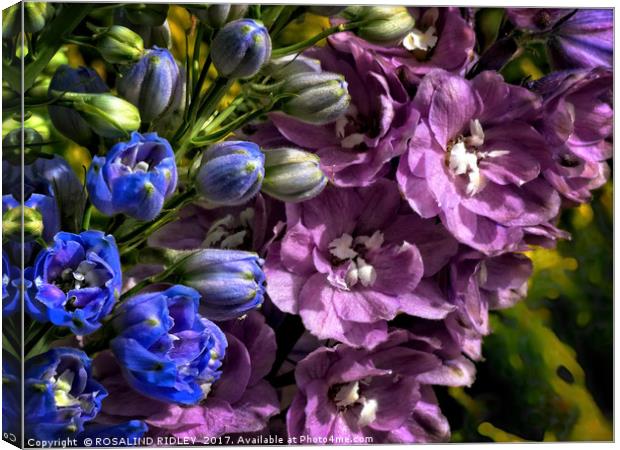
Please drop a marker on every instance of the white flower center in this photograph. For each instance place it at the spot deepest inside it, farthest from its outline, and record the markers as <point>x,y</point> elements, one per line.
<point>464,157</point>
<point>349,395</point>
<point>62,387</point>
<point>229,231</point>
<point>358,271</point>
<point>418,40</point>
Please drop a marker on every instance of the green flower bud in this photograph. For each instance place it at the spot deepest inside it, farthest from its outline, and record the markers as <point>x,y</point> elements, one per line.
<point>37,136</point>
<point>292,175</point>
<point>12,222</point>
<point>217,15</point>
<point>381,24</point>
<point>316,98</point>
<point>118,44</point>
<point>12,144</point>
<point>286,66</point>
<point>36,15</point>
<point>107,115</point>
<point>40,86</point>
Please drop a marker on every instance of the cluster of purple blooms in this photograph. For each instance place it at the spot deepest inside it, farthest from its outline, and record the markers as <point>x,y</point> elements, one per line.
<point>331,262</point>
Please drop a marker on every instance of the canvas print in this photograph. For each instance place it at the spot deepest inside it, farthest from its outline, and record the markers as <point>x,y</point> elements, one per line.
<point>289,224</point>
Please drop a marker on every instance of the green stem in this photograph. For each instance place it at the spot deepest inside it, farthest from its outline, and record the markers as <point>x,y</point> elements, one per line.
<point>86,218</point>
<point>284,18</point>
<point>301,46</point>
<point>272,15</point>
<point>52,38</point>
<point>143,231</point>
<point>234,125</point>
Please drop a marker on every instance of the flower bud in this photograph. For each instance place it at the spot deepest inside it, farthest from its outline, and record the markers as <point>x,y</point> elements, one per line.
<point>292,175</point>
<point>381,24</point>
<point>231,282</point>
<point>118,45</point>
<point>289,65</point>
<point>154,84</point>
<point>316,98</point>
<point>66,120</point>
<point>33,223</point>
<point>231,172</point>
<point>241,48</point>
<point>36,15</point>
<point>217,15</point>
<point>150,14</point>
<point>326,10</point>
<point>105,114</point>
<point>40,87</point>
<point>13,144</point>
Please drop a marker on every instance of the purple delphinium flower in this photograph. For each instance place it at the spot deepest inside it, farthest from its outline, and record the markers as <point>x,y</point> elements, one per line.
<point>536,19</point>
<point>586,39</point>
<point>346,393</point>
<point>578,124</point>
<point>475,161</point>
<point>478,284</point>
<point>577,38</point>
<point>356,148</point>
<point>441,38</point>
<point>243,227</point>
<point>349,262</point>
<point>241,401</point>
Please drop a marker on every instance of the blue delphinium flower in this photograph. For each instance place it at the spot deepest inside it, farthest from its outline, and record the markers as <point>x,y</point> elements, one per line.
<point>154,84</point>
<point>76,281</point>
<point>231,282</point>
<point>10,286</point>
<point>231,172</point>
<point>134,178</point>
<point>60,394</point>
<point>166,349</point>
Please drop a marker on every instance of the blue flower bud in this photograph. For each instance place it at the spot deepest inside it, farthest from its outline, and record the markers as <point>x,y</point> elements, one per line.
<point>76,281</point>
<point>60,394</point>
<point>231,172</point>
<point>316,98</point>
<point>134,178</point>
<point>383,25</point>
<point>65,119</point>
<point>118,44</point>
<point>231,282</point>
<point>289,65</point>
<point>166,349</point>
<point>292,175</point>
<point>154,84</point>
<point>241,48</point>
<point>217,15</point>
